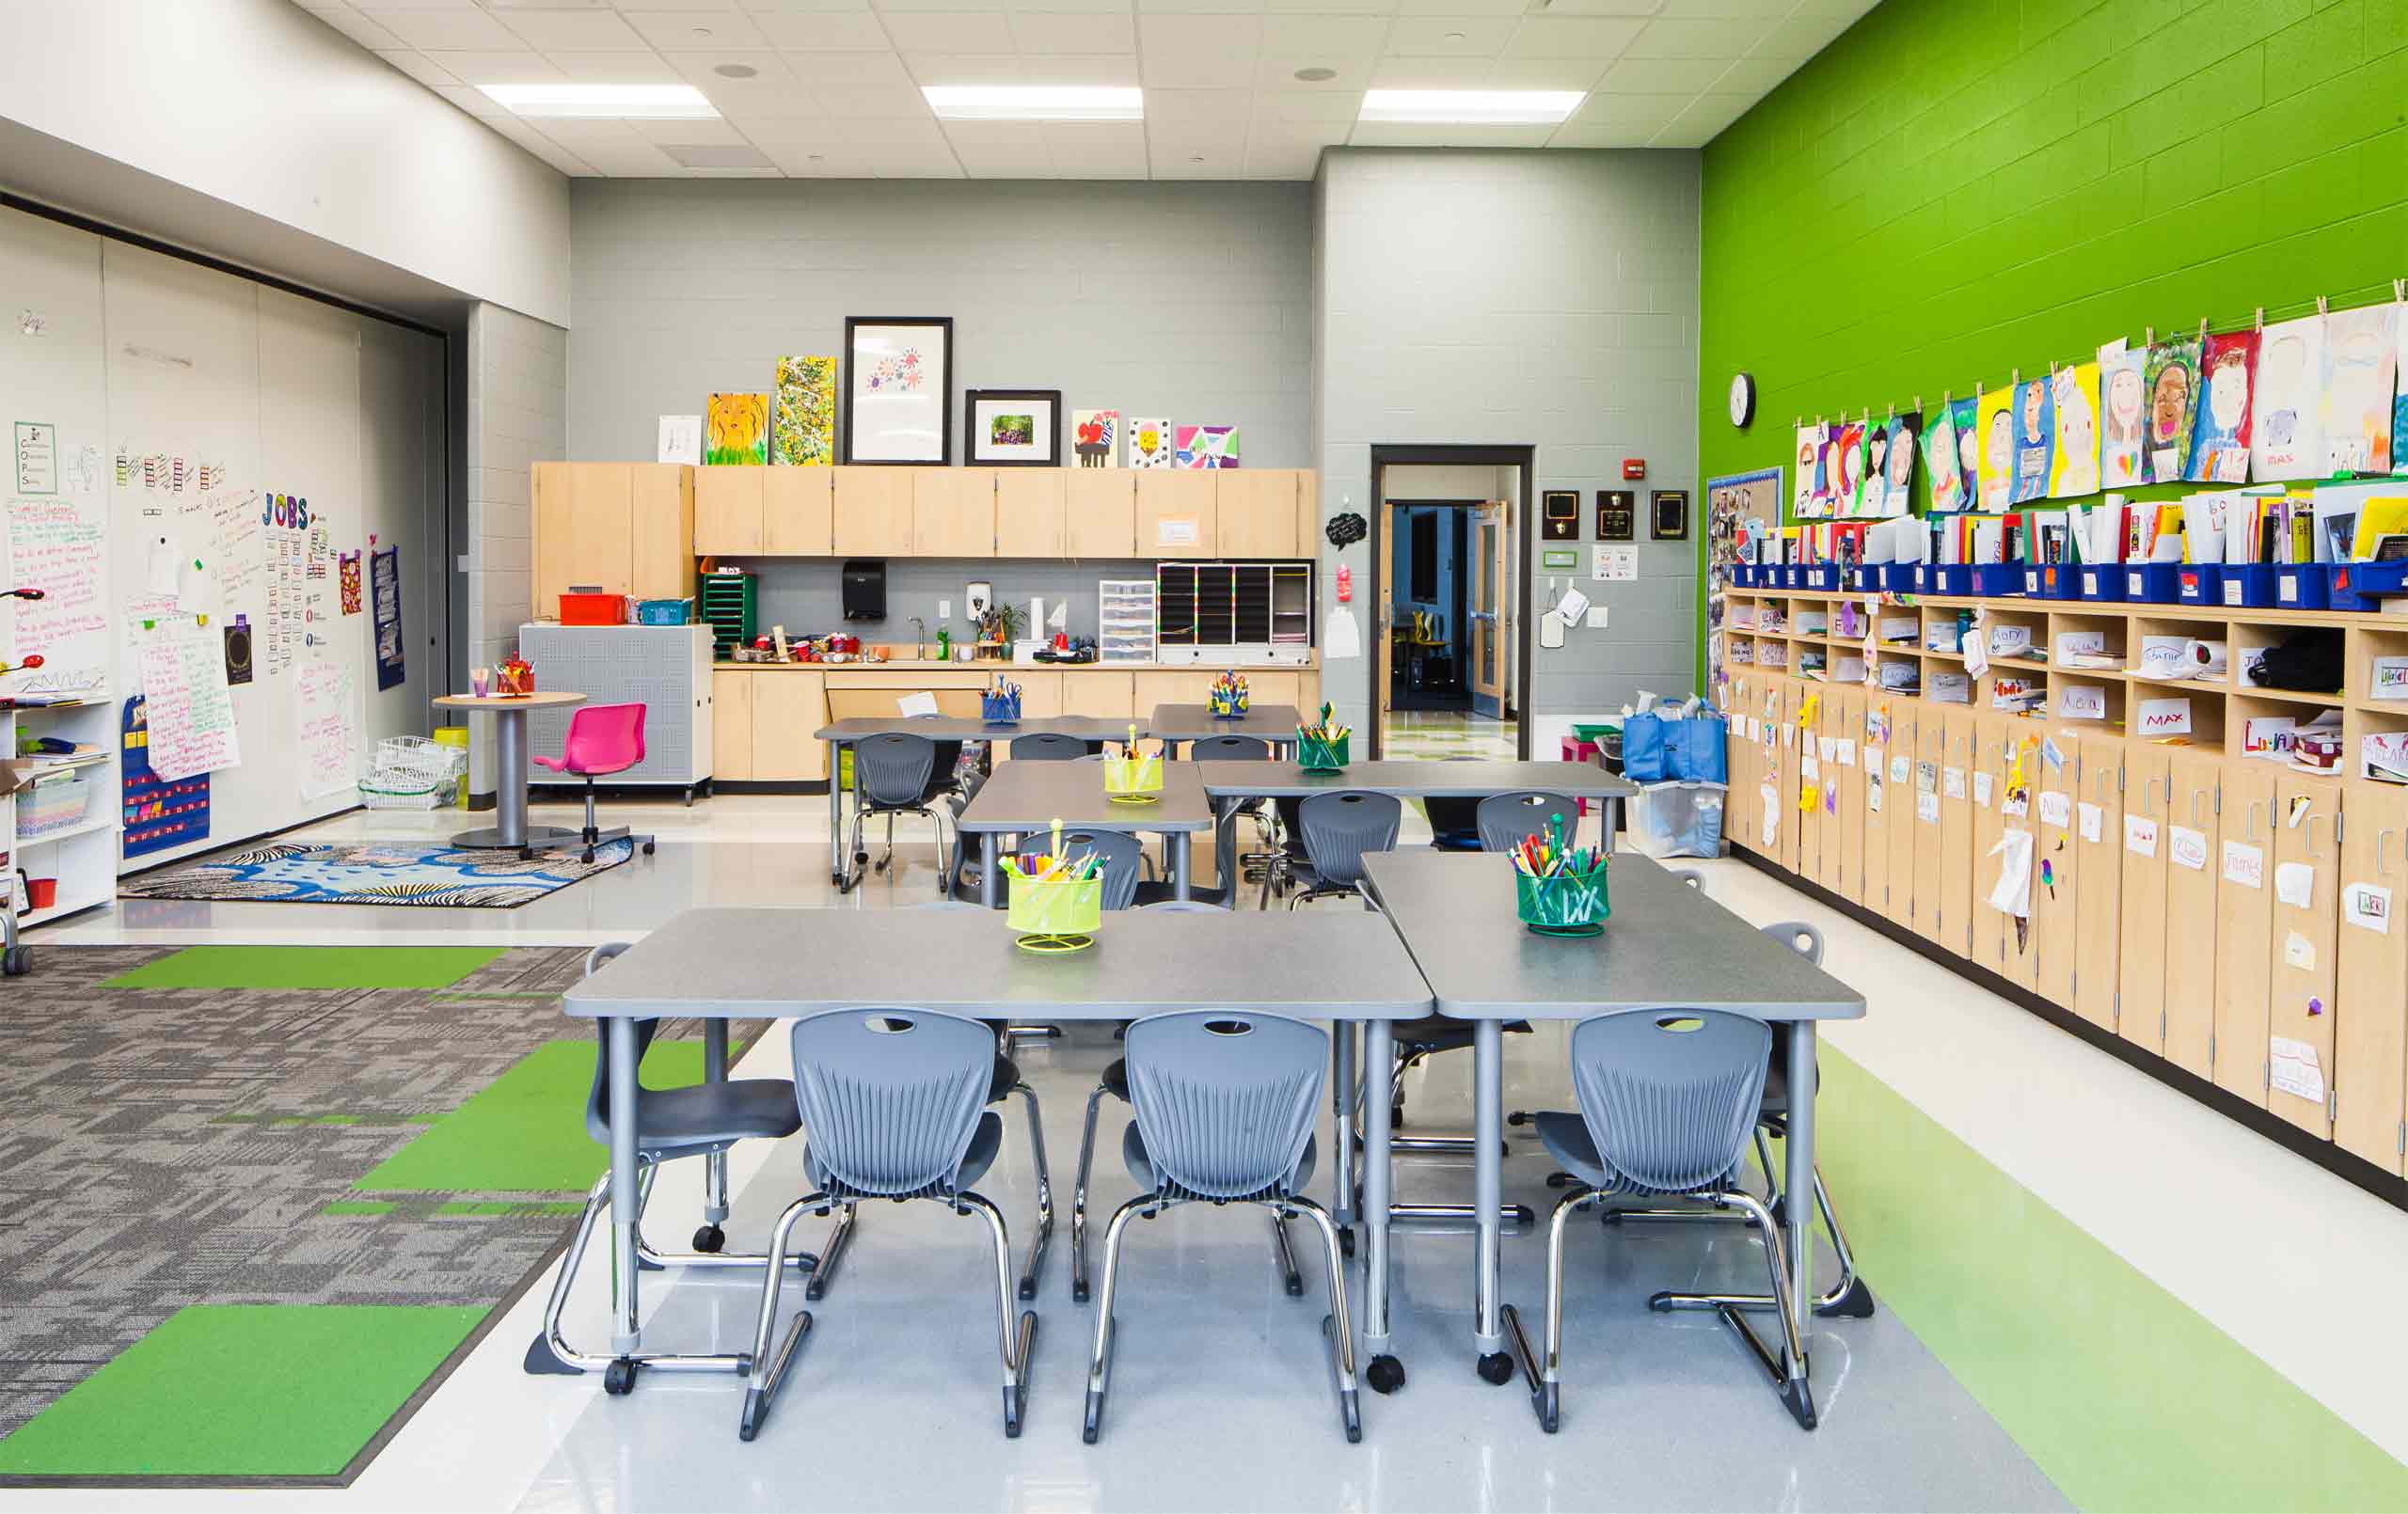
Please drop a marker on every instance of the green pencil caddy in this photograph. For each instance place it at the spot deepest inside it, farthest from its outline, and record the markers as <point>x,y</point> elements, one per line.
<point>1315,755</point>
<point>1565,904</point>
<point>1053,914</point>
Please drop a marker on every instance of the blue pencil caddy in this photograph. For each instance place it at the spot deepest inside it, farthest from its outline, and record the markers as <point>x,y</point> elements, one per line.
<point>1998,580</point>
<point>2249,586</point>
<point>2302,585</point>
<point>2102,583</point>
<point>2152,583</point>
<point>999,709</point>
<point>2199,583</point>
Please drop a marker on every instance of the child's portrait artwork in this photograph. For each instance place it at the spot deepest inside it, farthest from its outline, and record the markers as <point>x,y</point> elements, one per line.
<point>2220,432</point>
<point>1997,450</point>
<point>1898,463</point>
<point>1940,460</point>
<point>1964,414</point>
<point>2360,348</point>
<point>1848,467</point>
<point>2035,435</point>
<point>2287,436</point>
<point>1806,495</point>
<point>2123,422</point>
<point>2074,471</point>
<point>2166,441</point>
<point>1873,495</point>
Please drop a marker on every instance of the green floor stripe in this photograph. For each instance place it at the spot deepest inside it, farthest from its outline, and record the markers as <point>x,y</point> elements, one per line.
<point>525,1131</point>
<point>2125,1397</point>
<point>241,1390</point>
<point>310,966</point>
<point>356,1207</point>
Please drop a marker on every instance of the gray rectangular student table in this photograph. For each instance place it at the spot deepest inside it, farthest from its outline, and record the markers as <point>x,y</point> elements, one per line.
<point>1025,798</point>
<point>758,964</point>
<point>1273,723</point>
<point>1666,945</point>
<point>842,733</point>
<point>1227,781</point>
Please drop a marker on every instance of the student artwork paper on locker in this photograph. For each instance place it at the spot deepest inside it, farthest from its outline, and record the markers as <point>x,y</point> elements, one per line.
<point>2139,835</point>
<point>2244,864</point>
<point>2368,908</point>
<point>1952,782</point>
<point>2292,1068</point>
<point>2186,847</point>
<point>2295,884</point>
<point>2055,808</point>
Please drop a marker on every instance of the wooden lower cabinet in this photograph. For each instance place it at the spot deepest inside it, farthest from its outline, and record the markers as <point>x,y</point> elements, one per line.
<point>2245,930</point>
<point>2016,763</point>
<point>2300,1009</point>
<point>1931,746</point>
<point>788,706</point>
<point>2370,1009</point>
<point>2099,863</point>
<point>1985,769</point>
<point>1954,927</point>
<point>1806,801</point>
<point>2140,1008</point>
<point>732,724</point>
<point>1104,695</point>
<point>2192,855</point>
<point>1787,756</point>
<point>1898,804</point>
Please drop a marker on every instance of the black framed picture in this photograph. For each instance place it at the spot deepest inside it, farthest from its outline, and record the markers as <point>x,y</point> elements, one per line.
<point>1617,515</point>
<point>1669,520</point>
<point>898,389</point>
<point>1559,515</point>
<point>1012,428</point>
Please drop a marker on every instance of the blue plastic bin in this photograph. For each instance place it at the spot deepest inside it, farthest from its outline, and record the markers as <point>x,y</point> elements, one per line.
<point>1998,580</point>
<point>2250,585</point>
<point>2302,585</point>
<point>2152,583</point>
<point>2051,581</point>
<point>2102,582</point>
<point>1899,577</point>
<point>2199,583</point>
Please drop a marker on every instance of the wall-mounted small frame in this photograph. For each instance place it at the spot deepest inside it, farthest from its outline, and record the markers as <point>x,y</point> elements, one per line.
<point>1617,515</point>
<point>1669,516</point>
<point>1559,515</point>
<point>1558,559</point>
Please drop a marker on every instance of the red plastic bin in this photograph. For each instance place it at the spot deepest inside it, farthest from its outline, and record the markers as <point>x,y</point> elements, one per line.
<point>593,609</point>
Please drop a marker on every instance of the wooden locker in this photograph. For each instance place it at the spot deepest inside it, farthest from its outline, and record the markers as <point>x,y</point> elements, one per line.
<point>2019,785</point>
<point>2099,862</point>
<point>1931,750</point>
<point>2056,878</point>
<point>1177,513</point>
<point>1850,872</point>
<point>732,722</point>
<point>799,512</point>
<point>1898,803</point>
<point>1873,802</point>
<point>2300,1008</point>
<point>952,512</point>
<point>1737,754</point>
<point>1031,511</point>
<point>2245,929</point>
<point>2193,830</point>
<point>1796,849</point>
<point>2140,978</point>
<point>1256,509</point>
<point>873,511</point>
<point>1954,897</point>
<point>2370,1014</point>
<point>1100,513</point>
<point>1824,822</point>
<point>1987,927</point>
<point>1810,716</point>
<point>727,512</point>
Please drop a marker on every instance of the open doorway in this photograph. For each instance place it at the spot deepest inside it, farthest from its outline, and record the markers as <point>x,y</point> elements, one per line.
<point>1450,675</point>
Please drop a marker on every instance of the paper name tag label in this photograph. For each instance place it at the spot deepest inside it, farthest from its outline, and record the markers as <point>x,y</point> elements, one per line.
<point>1899,770</point>
<point>2055,808</point>
<point>1809,767</point>
<point>2139,835</point>
<point>1873,792</point>
<point>1846,753</point>
<point>2093,821</point>
<point>2186,847</point>
<point>2368,908</point>
<point>1928,808</point>
<point>2244,864</point>
<point>1953,782</point>
<point>2165,718</point>
<point>2082,701</point>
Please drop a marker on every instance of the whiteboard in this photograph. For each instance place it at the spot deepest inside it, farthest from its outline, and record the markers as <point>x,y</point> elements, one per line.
<point>216,396</point>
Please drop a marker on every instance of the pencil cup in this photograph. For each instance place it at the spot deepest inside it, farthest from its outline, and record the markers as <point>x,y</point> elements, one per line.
<point>1565,904</point>
<point>1133,780</point>
<point>1053,914</point>
<point>999,709</point>
<point>1226,706</point>
<point>1315,755</point>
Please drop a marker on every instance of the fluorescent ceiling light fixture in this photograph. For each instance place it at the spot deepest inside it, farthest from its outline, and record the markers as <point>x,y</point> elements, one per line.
<point>1035,102</point>
<point>1471,107</point>
<point>605,101</point>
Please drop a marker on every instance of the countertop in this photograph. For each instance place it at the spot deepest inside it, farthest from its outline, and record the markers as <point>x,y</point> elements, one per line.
<point>911,665</point>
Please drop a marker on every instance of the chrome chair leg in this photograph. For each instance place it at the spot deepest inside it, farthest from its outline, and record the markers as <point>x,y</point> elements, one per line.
<point>1044,1194</point>
<point>1544,1376</point>
<point>1848,1297</point>
<point>1293,1280</point>
<point>1100,1361</point>
<point>1772,1175</point>
<point>1336,1325</point>
<point>1079,1199</point>
<point>1788,1370</point>
<point>1016,1344</point>
<point>767,1372</point>
<point>824,1272</point>
<point>550,1351</point>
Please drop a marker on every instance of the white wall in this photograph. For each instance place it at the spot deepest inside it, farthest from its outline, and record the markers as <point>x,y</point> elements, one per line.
<point>259,105</point>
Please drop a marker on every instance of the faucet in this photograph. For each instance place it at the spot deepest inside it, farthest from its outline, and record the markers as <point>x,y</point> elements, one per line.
<point>920,639</point>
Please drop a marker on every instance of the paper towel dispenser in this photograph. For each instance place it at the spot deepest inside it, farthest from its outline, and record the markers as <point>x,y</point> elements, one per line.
<point>865,589</point>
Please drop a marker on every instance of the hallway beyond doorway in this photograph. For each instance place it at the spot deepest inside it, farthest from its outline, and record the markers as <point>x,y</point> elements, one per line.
<point>1438,734</point>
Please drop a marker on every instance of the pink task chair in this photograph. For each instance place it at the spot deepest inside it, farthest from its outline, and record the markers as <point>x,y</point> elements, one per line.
<point>602,739</point>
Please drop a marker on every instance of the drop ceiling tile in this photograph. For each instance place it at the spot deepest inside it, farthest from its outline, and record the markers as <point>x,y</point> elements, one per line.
<point>366,33</point>
<point>1000,149</point>
<point>1449,36</point>
<point>1400,135</point>
<point>1326,8</point>
<point>615,68</point>
<point>497,68</point>
<point>458,31</point>
<point>1545,74</point>
<point>825,31</point>
<point>689,134</point>
<point>1074,32</point>
<point>1598,37</point>
<point>934,31</point>
<point>1117,70</point>
<point>1602,134</point>
<point>874,103</point>
<point>1089,7</point>
<point>646,4</point>
<point>1429,73</point>
<point>848,70</point>
<point>1350,75</point>
<point>1199,7</point>
<point>891,8</point>
<point>1613,8</point>
<point>424,5</point>
<point>954,69</point>
<point>1306,110</point>
<point>1096,150</point>
<point>877,136</point>
<point>1348,37</point>
<point>1766,11</point>
<point>1662,75</point>
<point>578,31</point>
<point>514,130</point>
<point>475,102</point>
<point>697,31</point>
<point>1197,52</point>
<point>1197,110</point>
<point>1461,7</point>
<point>1284,134</point>
<point>1797,36</point>
<point>1682,38</point>
<point>420,67</point>
<point>1756,74</point>
<point>1706,117</point>
<point>1217,157</point>
<point>790,140</point>
<point>1282,160</point>
<point>1623,114</point>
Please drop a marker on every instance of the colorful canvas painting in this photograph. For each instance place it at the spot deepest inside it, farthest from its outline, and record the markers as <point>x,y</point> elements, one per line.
<point>2074,392</point>
<point>1208,446</point>
<point>1940,459</point>
<point>2360,349</point>
<point>804,435</point>
<point>2173,375</point>
<point>2220,432</point>
<point>2035,439</point>
<point>1897,475</point>
<point>1806,496</point>
<point>2123,420</point>
<point>1995,421</point>
<point>736,428</point>
<point>1095,435</point>
<point>2287,436</point>
<point>1149,444</point>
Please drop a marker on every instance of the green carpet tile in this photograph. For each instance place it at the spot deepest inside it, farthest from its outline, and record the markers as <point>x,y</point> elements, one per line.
<point>242,1391</point>
<point>310,966</point>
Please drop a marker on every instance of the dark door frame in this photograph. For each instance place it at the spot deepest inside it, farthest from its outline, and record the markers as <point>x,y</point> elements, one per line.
<point>1403,454</point>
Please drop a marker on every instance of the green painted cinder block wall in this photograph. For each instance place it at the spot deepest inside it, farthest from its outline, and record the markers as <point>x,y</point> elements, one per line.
<point>1957,188</point>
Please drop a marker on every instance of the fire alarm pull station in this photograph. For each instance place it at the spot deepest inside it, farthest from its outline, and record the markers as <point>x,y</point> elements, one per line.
<point>1634,467</point>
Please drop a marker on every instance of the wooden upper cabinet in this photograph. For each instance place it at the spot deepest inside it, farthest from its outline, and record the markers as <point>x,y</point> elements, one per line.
<point>583,530</point>
<point>952,512</point>
<point>1257,511</point>
<point>727,512</point>
<point>1308,536</point>
<point>1100,511</point>
<point>799,512</point>
<point>873,511</point>
<point>1177,513</point>
<point>1031,505</point>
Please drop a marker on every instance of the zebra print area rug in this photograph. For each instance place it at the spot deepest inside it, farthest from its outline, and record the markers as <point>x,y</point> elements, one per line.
<point>378,872</point>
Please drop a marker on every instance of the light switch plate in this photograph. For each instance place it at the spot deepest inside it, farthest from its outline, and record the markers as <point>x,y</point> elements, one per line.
<point>1597,618</point>
<point>944,609</point>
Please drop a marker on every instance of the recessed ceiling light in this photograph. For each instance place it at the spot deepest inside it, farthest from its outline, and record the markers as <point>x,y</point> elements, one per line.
<point>623,101</point>
<point>1316,75</point>
<point>1035,102</point>
<point>1471,107</point>
<point>736,71</point>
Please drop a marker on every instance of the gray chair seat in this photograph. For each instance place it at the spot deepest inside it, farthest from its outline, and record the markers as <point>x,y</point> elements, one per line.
<point>675,1121</point>
<point>1566,1137</point>
<point>1141,1166</point>
<point>1006,1078</point>
<point>984,1141</point>
<point>1115,1080</point>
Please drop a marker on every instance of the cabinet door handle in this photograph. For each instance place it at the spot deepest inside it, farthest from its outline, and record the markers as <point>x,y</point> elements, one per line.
<point>2311,831</point>
<point>2148,786</point>
<point>2379,868</point>
<point>2251,832</point>
<point>2197,795</point>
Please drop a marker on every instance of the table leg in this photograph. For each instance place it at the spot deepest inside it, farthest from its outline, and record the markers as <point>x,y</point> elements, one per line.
<point>835,813</point>
<point>1341,1166</point>
<point>626,1334</point>
<point>509,789</point>
<point>990,868</point>
<point>1182,885</point>
<point>1385,1373</point>
<point>1487,1195</point>
<point>1799,1190</point>
<point>715,1165</point>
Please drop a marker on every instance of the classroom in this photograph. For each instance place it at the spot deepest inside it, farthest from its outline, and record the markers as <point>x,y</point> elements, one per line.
<point>1547,730</point>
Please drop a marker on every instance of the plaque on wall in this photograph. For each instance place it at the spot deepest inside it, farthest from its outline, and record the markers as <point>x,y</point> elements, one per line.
<point>1559,515</point>
<point>1670,518</point>
<point>1617,515</point>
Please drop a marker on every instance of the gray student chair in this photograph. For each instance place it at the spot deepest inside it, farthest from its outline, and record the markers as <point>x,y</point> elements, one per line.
<point>1668,1098</point>
<point>1223,1106</point>
<point>893,1099</point>
<point>1504,819</point>
<point>1849,1297</point>
<point>1005,1083</point>
<point>1339,829</point>
<point>961,868</point>
<point>1047,747</point>
<point>703,1121</point>
<point>898,773</point>
<point>1250,865</point>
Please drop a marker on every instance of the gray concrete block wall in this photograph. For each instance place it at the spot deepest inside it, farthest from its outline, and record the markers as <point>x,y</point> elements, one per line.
<point>1511,299</point>
<point>517,414</point>
<point>1185,300</point>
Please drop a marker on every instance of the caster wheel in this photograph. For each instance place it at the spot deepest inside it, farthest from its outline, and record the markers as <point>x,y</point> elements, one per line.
<point>1856,1303</point>
<point>647,845</point>
<point>17,961</point>
<point>1385,1374</point>
<point>709,1239</point>
<point>619,1379</point>
<point>1518,1118</point>
<point>1396,1116</point>
<point>1496,1368</point>
<point>1346,1241</point>
<point>588,857</point>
